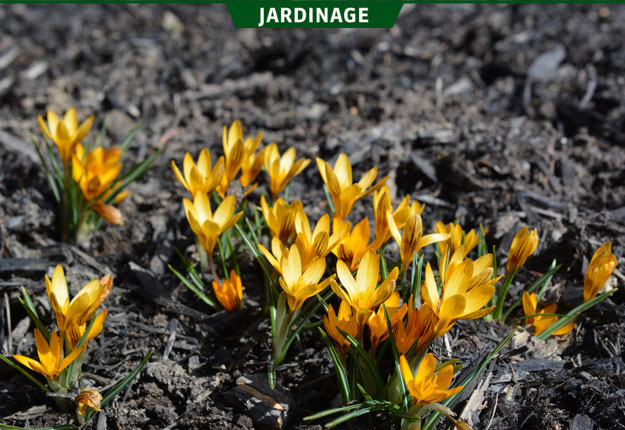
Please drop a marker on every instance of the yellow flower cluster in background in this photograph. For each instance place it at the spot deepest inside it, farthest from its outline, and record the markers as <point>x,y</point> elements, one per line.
<point>73,318</point>
<point>91,182</point>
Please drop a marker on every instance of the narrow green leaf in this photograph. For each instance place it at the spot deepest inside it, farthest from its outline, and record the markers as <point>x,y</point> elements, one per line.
<point>364,355</point>
<point>406,398</point>
<point>25,373</point>
<point>205,298</point>
<point>329,199</point>
<point>544,280</point>
<point>332,411</point>
<point>572,314</point>
<point>482,248</point>
<point>130,137</point>
<point>117,388</point>
<point>383,266</point>
<point>339,369</point>
<point>35,319</point>
<point>44,165</point>
<point>132,175</point>
<point>433,419</point>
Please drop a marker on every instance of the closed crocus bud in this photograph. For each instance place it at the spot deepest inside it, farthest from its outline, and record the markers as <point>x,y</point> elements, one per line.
<point>87,399</point>
<point>599,270</point>
<point>523,245</point>
<point>109,213</point>
<point>229,292</point>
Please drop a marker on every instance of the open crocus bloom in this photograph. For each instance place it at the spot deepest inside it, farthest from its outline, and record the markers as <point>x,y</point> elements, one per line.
<point>207,225</point>
<point>83,306</point>
<point>339,182</point>
<point>51,363</point>
<point>300,284</point>
<point>65,133</point>
<point>281,169</point>
<point>343,321</point>
<point>200,177</point>
<point>363,292</point>
<point>542,323</point>
<point>280,217</point>
<point>427,385</point>
<point>467,286</point>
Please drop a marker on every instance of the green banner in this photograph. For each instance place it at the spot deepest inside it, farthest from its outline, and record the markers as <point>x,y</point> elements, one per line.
<point>313,14</point>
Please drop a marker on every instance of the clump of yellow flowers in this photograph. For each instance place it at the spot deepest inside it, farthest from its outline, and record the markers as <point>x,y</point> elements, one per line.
<point>60,355</point>
<point>88,181</point>
<point>374,310</point>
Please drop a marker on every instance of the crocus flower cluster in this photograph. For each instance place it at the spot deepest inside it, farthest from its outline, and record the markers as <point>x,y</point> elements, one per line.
<point>388,311</point>
<point>74,317</point>
<point>90,183</point>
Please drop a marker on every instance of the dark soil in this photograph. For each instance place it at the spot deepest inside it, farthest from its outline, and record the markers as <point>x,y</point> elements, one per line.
<point>500,115</point>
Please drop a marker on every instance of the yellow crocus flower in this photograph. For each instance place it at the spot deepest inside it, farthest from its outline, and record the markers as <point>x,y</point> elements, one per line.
<point>385,215</point>
<point>600,268</point>
<point>65,133</point>
<point>208,226</point>
<point>411,239</point>
<point>457,238</point>
<point>319,242</point>
<point>281,169</point>
<point>467,286</point>
<point>253,161</point>
<point>419,327</point>
<point>76,331</point>
<point>339,182</point>
<point>542,323</point>
<point>354,245</point>
<point>363,292</point>
<point>299,284</point>
<point>344,321</point>
<point>95,172</point>
<point>427,385</point>
<point>229,292</point>
<point>378,327</point>
<point>201,177</point>
<point>281,217</point>
<point>234,153</point>
<point>278,252</point>
<point>523,245</point>
<point>50,363</point>
<point>83,306</point>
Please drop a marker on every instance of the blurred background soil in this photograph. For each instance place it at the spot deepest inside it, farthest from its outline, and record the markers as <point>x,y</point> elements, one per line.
<point>500,115</point>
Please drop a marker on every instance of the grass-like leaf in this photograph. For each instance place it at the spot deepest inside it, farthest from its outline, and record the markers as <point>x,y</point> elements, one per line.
<point>121,385</point>
<point>132,175</point>
<point>572,314</point>
<point>433,419</point>
<point>128,139</point>
<point>543,280</point>
<point>404,388</point>
<point>366,359</point>
<point>339,369</point>
<point>28,306</point>
<point>25,373</point>
<point>190,285</point>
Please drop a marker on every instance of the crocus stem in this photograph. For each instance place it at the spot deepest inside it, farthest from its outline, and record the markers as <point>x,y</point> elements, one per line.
<point>213,271</point>
<point>203,254</point>
<point>501,297</point>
